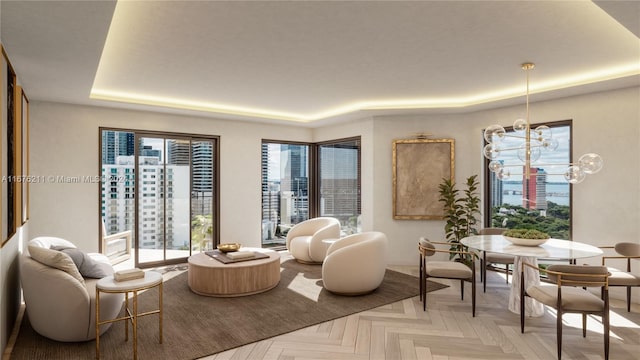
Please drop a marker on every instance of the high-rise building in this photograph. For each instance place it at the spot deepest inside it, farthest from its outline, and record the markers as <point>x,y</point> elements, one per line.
<point>147,150</point>
<point>534,190</point>
<point>497,188</point>
<point>294,184</point>
<point>178,152</point>
<point>156,228</point>
<point>202,177</point>
<point>202,166</point>
<point>116,143</point>
<point>270,195</point>
<point>541,190</point>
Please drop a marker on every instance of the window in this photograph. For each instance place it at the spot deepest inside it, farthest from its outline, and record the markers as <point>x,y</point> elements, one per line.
<point>548,207</point>
<point>285,189</point>
<point>301,181</point>
<point>187,207</point>
<point>339,183</point>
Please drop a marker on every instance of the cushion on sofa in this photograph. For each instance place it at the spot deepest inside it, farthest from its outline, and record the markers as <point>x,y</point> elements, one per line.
<point>55,259</point>
<point>87,266</point>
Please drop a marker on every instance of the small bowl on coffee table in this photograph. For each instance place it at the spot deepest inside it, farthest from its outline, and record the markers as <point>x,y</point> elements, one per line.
<point>229,247</point>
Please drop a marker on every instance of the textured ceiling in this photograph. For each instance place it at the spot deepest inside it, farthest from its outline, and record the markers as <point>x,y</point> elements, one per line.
<point>314,62</point>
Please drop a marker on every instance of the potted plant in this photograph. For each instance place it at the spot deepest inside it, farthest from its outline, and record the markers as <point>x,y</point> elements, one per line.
<point>460,211</point>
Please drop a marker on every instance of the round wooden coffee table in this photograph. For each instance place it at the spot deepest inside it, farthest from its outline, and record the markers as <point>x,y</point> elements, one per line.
<point>210,277</point>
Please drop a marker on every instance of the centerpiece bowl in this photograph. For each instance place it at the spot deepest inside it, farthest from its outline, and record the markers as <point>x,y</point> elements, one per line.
<point>526,237</point>
<point>229,247</point>
<point>526,242</point>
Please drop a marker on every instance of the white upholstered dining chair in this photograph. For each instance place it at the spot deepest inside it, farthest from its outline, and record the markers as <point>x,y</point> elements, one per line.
<point>570,295</point>
<point>626,251</point>
<point>452,270</point>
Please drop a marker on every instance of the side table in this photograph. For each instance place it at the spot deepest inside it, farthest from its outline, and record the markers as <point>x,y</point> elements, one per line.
<point>109,285</point>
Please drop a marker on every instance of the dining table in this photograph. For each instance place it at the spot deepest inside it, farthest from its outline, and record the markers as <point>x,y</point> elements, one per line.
<point>552,249</point>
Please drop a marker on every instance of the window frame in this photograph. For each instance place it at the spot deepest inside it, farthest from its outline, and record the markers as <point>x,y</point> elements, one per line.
<point>313,162</point>
<point>215,139</point>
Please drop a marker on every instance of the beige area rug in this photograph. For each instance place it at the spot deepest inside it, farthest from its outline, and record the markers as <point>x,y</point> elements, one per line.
<point>196,326</point>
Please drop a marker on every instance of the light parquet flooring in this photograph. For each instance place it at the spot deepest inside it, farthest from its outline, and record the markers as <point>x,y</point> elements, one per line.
<point>447,331</point>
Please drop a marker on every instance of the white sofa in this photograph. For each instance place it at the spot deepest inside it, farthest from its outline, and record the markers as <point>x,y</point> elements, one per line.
<point>305,239</point>
<point>355,264</point>
<point>60,304</point>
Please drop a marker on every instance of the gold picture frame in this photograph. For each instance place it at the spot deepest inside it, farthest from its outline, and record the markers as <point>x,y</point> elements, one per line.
<point>419,165</point>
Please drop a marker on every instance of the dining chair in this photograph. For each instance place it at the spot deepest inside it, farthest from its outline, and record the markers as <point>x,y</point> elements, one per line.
<point>626,251</point>
<point>570,296</point>
<point>453,270</point>
<point>489,258</point>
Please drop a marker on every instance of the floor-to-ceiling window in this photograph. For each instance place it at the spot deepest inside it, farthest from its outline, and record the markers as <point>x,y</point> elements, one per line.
<point>339,182</point>
<point>162,188</point>
<point>285,189</point>
<point>548,204</point>
<point>304,180</point>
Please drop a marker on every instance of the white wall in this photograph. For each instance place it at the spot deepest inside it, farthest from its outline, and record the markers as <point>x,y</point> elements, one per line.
<point>65,140</point>
<point>606,206</point>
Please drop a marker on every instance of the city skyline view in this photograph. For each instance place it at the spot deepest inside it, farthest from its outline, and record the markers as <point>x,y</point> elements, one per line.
<point>174,189</point>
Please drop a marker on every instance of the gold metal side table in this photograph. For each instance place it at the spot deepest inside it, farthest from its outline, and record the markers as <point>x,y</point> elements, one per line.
<point>109,285</point>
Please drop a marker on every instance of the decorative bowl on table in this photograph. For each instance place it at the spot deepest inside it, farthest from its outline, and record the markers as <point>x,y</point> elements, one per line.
<point>526,237</point>
<point>229,247</point>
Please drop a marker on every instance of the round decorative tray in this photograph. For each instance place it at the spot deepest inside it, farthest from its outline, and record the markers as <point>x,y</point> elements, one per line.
<point>229,247</point>
<point>526,242</point>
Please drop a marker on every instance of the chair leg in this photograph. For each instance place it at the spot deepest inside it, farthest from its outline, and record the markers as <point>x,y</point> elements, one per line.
<point>462,290</point>
<point>483,271</point>
<point>605,320</point>
<point>606,336</point>
<point>473,294</point>
<point>506,272</point>
<point>421,275</point>
<point>628,298</point>
<point>559,333</point>
<point>424,285</point>
<point>522,302</point>
<point>584,325</point>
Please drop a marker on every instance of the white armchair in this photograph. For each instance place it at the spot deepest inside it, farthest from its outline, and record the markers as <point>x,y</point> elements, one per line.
<point>60,303</point>
<point>355,264</point>
<point>305,240</point>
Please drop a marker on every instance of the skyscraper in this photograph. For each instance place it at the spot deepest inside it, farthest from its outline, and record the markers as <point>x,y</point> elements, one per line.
<point>294,185</point>
<point>534,190</point>
<point>496,188</point>
<point>116,143</point>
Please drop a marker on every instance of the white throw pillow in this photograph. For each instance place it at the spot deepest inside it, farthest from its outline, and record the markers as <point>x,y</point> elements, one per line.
<point>87,266</point>
<point>55,259</point>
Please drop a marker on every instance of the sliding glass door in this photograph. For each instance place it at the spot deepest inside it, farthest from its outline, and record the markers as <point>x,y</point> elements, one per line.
<point>170,206</point>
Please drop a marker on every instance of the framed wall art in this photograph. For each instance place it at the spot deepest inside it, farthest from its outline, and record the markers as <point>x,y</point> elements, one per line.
<point>419,165</point>
<point>25,155</point>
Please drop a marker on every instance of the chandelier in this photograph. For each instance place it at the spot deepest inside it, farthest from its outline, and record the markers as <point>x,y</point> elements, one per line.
<point>533,143</point>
